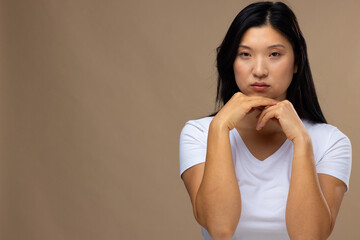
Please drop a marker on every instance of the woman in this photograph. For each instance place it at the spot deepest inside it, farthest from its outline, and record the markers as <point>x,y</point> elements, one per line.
<point>267,165</point>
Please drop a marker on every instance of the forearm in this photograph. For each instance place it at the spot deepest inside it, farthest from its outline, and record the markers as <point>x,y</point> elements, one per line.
<point>218,203</point>
<point>307,213</point>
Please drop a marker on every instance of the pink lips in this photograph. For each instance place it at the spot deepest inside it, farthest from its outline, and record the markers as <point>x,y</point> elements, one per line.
<point>259,86</point>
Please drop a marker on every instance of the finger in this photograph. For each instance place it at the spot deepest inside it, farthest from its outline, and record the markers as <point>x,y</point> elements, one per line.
<point>266,109</point>
<point>267,114</point>
<point>261,109</point>
<point>261,103</point>
<point>250,106</point>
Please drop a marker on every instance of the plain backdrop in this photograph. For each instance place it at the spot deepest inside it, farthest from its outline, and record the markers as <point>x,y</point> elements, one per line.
<point>94,94</point>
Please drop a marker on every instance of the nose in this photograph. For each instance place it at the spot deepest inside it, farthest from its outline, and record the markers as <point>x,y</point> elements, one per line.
<point>260,68</point>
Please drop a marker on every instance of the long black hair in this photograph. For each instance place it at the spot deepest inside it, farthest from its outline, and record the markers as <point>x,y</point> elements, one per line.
<point>301,92</point>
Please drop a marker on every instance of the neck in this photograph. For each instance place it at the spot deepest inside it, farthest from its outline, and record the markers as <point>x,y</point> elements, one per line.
<point>249,122</point>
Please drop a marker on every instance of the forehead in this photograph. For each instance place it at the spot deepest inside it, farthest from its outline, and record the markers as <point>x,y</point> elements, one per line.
<point>263,36</point>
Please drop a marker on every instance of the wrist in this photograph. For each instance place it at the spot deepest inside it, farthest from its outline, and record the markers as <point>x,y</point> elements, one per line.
<point>219,124</point>
<point>303,153</point>
<point>303,142</point>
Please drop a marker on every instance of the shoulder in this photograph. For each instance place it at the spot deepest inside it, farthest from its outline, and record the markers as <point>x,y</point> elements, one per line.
<point>332,150</point>
<point>193,142</point>
<point>201,124</point>
<point>325,136</point>
<point>318,127</point>
<point>196,131</point>
<point>323,132</point>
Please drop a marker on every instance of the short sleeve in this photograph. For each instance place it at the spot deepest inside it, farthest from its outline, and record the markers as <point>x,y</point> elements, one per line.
<point>337,157</point>
<point>192,149</point>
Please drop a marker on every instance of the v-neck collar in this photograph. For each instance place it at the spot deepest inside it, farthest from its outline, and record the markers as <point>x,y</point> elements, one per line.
<point>269,159</point>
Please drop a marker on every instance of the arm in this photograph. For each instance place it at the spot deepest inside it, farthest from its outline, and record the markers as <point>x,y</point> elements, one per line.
<point>213,186</point>
<point>218,202</point>
<point>312,206</point>
<point>313,200</point>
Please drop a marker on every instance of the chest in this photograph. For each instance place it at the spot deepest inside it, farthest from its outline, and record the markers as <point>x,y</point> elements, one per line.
<point>264,187</point>
<point>262,146</point>
<point>263,170</point>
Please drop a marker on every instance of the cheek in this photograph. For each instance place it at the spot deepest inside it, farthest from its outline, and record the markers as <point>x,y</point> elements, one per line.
<point>241,73</point>
<point>237,68</point>
<point>285,70</point>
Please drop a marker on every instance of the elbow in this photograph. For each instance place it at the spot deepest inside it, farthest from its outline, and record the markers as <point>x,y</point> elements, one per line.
<point>221,233</point>
<point>217,232</point>
<point>331,228</point>
<point>328,228</point>
<point>218,227</point>
<point>321,234</point>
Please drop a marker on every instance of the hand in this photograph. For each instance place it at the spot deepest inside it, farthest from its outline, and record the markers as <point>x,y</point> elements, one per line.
<point>287,117</point>
<point>238,106</point>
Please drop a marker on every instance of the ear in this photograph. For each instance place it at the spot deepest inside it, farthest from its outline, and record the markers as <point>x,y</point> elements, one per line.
<point>295,69</point>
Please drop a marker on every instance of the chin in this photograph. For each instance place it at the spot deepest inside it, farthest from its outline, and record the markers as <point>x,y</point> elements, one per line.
<point>263,94</point>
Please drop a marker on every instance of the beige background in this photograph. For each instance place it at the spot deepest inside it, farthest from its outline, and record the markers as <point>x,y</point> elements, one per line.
<point>94,95</point>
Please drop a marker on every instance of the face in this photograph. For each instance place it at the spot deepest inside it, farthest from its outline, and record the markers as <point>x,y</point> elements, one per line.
<point>264,64</point>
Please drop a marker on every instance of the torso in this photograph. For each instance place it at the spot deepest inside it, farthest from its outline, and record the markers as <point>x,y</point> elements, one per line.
<point>264,184</point>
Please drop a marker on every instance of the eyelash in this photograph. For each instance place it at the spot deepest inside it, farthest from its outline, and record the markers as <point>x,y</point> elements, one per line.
<point>277,54</point>
<point>245,54</point>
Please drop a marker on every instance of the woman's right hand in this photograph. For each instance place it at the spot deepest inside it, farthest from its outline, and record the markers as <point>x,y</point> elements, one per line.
<point>238,106</point>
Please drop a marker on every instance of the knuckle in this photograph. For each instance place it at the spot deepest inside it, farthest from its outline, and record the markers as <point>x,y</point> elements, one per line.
<point>237,94</point>
<point>234,96</point>
<point>282,105</point>
<point>287,102</point>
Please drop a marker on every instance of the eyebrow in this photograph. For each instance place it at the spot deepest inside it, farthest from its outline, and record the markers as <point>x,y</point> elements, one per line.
<point>271,46</point>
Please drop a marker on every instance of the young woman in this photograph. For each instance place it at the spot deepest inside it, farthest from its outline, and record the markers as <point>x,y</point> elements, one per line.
<point>267,165</point>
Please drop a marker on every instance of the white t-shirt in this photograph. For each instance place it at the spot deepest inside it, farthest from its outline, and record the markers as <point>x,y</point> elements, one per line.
<point>264,185</point>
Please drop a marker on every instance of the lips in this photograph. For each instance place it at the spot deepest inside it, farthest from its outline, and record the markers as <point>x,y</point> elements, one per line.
<point>259,86</point>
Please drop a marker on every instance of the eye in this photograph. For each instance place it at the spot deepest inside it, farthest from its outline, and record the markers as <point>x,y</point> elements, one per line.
<point>275,54</point>
<point>244,54</point>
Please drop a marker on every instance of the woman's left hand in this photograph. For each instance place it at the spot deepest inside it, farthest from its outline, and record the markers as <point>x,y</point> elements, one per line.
<point>287,117</point>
